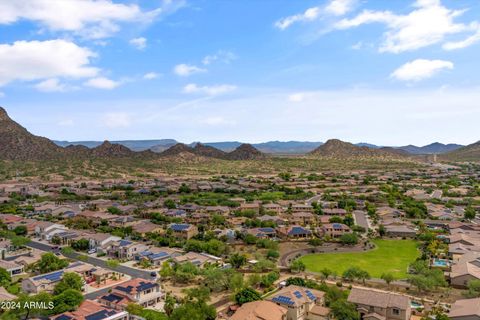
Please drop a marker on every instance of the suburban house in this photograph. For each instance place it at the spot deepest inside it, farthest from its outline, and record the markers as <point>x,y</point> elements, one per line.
<point>124,249</point>
<point>198,259</point>
<point>46,230</point>
<point>400,231</point>
<point>302,218</point>
<point>467,268</point>
<point>374,305</point>
<point>273,207</point>
<point>183,230</point>
<point>46,282</point>
<point>143,292</point>
<point>465,309</point>
<point>334,230</point>
<point>299,207</point>
<point>265,310</point>
<point>145,226</point>
<point>262,233</point>
<point>301,303</point>
<point>89,310</point>
<point>294,232</point>
<point>12,268</point>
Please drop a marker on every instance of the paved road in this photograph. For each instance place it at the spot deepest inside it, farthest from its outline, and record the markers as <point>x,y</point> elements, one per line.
<point>313,199</point>
<point>134,273</point>
<point>361,219</point>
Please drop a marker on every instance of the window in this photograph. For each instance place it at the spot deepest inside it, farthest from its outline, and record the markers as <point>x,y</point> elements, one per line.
<point>395,311</point>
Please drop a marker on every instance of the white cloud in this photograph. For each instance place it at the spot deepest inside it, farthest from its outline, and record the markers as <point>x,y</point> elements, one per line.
<point>340,7</point>
<point>50,85</point>
<point>185,70</point>
<point>36,60</point>
<point>297,97</point>
<point>208,90</point>
<point>454,45</point>
<point>309,15</point>
<point>150,75</point>
<point>117,120</point>
<point>89,18</point>
<point>421,69</point>
<point>332,8</point>
<point>221,55</point>
<point>102,83</point>
<point>429,23</point>
<point>139,43</point>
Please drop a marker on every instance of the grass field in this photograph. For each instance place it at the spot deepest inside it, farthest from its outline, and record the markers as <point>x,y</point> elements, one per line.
<point>390,256</point>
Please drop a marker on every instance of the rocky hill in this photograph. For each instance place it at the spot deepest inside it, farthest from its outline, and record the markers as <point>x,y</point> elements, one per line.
<point>16,143</point>
<point>467,153</point>
<point>245,152</point>
<point>335,148</point>
<point>207,151</point>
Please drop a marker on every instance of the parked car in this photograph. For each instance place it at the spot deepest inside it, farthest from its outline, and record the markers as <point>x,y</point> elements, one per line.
<point>92,251</point>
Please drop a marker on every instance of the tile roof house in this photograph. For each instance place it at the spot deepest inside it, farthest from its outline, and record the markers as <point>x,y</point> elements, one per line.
<point>12,268</point>
<point>183,230</point>
<point>301,303</point>
<point>143,292</point>
<point>334,230</point>
<point>294,232</point>
<point>465,309</point>
<point>260,310</point>
<point>375,305</point>
<point>124,249</point>
<point>91,310</point>
<point>262,233</point>
<point>465,269</point>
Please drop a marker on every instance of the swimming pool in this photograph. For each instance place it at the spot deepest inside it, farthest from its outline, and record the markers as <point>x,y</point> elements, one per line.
<point>442,263</point>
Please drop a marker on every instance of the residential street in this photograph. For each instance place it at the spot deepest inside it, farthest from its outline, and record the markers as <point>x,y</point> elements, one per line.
<point>134,273</point>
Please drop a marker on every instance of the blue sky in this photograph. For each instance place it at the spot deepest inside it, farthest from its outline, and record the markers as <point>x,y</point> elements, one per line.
<point>386,72</point>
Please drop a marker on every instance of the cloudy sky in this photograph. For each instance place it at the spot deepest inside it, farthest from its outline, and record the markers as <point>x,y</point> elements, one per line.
<point>387,72</point>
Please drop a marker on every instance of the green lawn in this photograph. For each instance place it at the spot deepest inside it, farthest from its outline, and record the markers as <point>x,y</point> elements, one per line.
<point>390,256</point>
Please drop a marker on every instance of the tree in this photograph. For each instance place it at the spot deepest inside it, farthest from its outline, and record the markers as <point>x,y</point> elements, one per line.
<point>473,289</point>
<point>5,278</point>
<point>381,230</point>
<point>68,300</point>
<point>199,294</point>
<point>354,273</point>
<point>343,310</point>
<point>273,255</point>
<point>326,272</point>
<point>194,311</point>
<point>388,278</point>
<point>169,204</point>
<point>247,295</point>
<point>166,271</point>
<point>81,245</point>
<point>297,266</point>
<point>296,281</point>
<point>50,262</point>
<point>20,230</point>
<point>349,239</point>
<point>19,242</point>
<point>237,260</point>
<point>113,264</point>
<point>470,213</point>
<point>69,280</point>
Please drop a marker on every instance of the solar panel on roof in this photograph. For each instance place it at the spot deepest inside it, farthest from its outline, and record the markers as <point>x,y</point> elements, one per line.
<point>310,295</point>
<point>298,294</point>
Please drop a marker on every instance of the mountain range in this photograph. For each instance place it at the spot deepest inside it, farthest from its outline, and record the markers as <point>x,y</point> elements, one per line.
<point>16,143</point>
<point>273,147</point>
